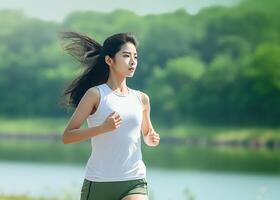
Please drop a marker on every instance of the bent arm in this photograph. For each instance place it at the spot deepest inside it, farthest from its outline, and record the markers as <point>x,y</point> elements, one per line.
<point>151,138</point>
<point>76,135</point>
<point>146,121</point>
<point>73,132</point>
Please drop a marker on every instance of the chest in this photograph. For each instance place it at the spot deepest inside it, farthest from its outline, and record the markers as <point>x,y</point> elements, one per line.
<point>129,108</point>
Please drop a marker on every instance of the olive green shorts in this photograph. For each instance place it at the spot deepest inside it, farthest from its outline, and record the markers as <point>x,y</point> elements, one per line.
<point>115,190</point>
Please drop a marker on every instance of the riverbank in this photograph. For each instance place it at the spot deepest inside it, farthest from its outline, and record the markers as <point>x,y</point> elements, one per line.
<point>234,159</point>
<point>190,146</point>
<point>187,133</point>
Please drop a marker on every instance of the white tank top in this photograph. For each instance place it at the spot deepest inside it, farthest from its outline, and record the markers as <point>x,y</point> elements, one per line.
<point>116,155</point>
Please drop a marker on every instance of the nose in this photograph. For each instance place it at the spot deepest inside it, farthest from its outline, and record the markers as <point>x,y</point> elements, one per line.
<point>133,61</point>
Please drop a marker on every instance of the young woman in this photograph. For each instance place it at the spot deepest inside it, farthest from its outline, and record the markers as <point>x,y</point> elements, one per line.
<point>116,116</point>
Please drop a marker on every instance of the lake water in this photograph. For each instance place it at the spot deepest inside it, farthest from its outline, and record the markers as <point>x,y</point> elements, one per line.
<point>55,179</point>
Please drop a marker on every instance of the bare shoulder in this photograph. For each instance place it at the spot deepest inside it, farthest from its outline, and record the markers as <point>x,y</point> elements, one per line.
<point>93,94</point>
<point>90,99</point>
<point>93,91</point>
<point>145,98</point>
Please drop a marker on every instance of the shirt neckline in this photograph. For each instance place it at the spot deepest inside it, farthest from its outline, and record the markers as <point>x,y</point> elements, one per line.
<point>119,94</point>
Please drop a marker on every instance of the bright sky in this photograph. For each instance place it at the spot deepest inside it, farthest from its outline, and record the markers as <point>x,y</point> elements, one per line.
<point>57,9</point>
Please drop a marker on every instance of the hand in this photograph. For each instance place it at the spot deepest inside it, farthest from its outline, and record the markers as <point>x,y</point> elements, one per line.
<point>152,138</point>
<point>112,122</point>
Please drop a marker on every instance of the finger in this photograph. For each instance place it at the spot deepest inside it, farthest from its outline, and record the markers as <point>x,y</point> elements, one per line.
<point>118,124</point>
<point>118,120</point>
<point>150,132</point>
<point>156,136</point>
<point>115,114</point>
<point>117,117</point>
<point>156,140</point>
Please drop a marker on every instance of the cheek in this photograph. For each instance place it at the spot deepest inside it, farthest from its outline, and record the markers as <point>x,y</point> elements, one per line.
<point>120,65</point>
<point>122,61</point>
<point>119,60</point>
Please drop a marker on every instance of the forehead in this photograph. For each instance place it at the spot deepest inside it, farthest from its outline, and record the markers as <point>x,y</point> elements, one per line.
<point>128,47</point>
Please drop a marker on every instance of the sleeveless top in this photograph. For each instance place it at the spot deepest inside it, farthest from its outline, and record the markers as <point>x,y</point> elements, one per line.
<point>116,155</point>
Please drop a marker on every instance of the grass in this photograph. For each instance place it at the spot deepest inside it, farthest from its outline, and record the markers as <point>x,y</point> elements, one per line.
<point>223,133</point>
<point>21,197</point>
<point>38,125</point>
<point>167,156</point>
<point>27,197</point>
<point>52,125</point>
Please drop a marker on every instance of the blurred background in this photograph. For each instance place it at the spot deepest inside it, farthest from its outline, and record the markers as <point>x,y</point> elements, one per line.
<point>211,69</point>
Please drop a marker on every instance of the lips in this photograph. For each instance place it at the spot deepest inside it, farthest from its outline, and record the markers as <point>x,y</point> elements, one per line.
<point>131,68</point>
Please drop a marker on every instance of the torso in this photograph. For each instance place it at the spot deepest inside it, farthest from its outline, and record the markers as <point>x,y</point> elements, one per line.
<point>116,155</point>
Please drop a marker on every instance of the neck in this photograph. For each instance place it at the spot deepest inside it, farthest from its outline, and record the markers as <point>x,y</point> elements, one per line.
<point>117,84</point>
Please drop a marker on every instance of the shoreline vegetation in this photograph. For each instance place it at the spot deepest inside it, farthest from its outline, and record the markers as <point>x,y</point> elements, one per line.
<point>188,134</point>
<point>186,146</point>
<point>252,143</point>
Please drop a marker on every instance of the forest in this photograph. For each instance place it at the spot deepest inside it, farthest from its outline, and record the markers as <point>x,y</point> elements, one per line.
<point>220,66</point>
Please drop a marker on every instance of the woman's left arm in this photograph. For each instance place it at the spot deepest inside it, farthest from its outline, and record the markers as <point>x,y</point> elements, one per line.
<point>151,138</point>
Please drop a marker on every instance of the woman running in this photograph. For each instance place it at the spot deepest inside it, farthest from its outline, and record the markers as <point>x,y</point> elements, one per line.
<point>116,116</point>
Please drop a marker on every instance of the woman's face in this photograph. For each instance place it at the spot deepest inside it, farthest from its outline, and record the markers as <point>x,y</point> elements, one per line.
<point>125,60</point>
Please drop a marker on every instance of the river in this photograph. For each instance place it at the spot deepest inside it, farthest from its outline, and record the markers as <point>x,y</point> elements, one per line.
<point>57,180</point>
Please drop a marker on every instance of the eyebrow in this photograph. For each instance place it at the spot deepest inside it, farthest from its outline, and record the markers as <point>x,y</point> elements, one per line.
<point>128,52</point>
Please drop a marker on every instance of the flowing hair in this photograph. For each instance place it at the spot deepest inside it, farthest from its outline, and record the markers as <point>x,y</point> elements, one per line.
<point>91,55</point>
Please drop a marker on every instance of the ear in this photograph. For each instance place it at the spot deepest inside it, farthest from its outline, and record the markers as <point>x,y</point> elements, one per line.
<point>108,60</point>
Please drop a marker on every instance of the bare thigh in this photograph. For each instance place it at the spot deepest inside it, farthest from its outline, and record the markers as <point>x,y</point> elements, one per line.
<point>135,197</point>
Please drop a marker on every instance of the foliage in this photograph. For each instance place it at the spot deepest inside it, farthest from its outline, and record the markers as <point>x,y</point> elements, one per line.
<point>219,66</point>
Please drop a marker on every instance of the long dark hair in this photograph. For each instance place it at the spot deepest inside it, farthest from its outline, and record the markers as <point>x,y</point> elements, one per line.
<point>92,56</point>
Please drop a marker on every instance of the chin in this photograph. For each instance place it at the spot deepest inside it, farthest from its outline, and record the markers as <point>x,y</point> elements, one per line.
<point>130,75</point>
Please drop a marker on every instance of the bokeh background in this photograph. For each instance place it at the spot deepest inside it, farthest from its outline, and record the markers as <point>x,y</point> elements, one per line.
<point>211,69</point>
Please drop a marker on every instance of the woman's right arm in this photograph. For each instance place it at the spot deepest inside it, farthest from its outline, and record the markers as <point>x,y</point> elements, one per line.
<point>73,132</point>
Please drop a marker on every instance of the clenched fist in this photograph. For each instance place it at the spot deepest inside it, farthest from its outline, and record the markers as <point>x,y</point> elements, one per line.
<point>112,122</point>
<point>152,138</point>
